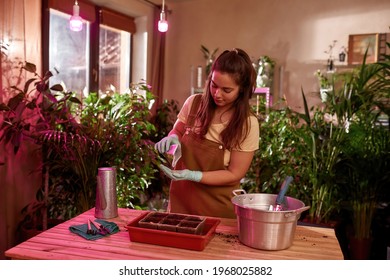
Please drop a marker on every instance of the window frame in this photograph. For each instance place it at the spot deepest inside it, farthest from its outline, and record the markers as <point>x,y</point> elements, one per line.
<point>96,15</point>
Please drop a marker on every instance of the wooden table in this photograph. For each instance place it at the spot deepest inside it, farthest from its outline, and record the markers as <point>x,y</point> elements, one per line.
<point>58,243</point>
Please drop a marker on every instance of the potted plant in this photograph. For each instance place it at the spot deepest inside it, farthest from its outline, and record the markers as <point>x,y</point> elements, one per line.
<point>322,138</point>
<point>111,131</point>
<point>297,145</point>
<point>338,154</point>
<point>312,147</point>
<point>302,146</point>
<point>123,131</point>
<point>325,84</point>
<point>329,52</point>
<point>25,114</point>
<point>364,167</point>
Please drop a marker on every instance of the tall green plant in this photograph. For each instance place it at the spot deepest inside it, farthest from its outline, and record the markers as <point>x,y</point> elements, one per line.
<point>322,138</point>
<point>303,146</point>
<point>111,131</point>
<point>338,154</point>
<point>364,169</point>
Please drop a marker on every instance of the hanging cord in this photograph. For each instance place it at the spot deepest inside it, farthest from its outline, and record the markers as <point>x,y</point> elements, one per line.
<point>155,5</point>
<point>24,31</point>
<point>151,3</point>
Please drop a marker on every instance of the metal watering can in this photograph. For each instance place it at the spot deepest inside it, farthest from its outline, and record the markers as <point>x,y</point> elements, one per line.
<point>106,206</point>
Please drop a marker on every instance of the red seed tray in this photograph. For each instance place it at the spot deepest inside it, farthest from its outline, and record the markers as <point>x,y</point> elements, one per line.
<point>172,239</point>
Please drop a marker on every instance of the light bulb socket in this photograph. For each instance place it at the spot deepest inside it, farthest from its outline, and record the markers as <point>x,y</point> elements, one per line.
<point>76,22</point>
<point>162,23</point>
<point>162,16</point>
<point>76,10</point>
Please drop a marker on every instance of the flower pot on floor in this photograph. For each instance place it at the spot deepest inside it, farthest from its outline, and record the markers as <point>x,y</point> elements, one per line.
<point>360,249</point>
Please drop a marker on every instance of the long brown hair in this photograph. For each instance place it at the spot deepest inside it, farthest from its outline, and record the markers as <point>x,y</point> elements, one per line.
<point>238,64</point>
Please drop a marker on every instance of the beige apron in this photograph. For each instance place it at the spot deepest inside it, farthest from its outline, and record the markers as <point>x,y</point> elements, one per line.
<point>194,198</point>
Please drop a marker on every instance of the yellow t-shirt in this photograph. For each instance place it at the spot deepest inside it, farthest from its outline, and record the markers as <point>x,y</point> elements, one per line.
<point>250,143</point>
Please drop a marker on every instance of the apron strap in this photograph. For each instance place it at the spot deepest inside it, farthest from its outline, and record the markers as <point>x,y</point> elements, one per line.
<point>194,110</point>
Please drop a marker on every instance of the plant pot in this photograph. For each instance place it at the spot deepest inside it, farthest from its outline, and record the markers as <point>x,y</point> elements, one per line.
<point>324,93</point>
<point>360,249</point>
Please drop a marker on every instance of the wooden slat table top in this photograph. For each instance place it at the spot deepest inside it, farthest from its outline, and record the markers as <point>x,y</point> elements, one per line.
<point>58,243</point>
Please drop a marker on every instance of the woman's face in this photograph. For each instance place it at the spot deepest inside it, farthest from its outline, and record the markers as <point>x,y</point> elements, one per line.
<point>224,89</point>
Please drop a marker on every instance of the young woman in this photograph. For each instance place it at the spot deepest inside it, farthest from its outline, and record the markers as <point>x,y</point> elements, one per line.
<point>217,136</point>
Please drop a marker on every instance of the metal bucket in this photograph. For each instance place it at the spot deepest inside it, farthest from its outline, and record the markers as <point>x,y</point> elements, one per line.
<point>262,228</point>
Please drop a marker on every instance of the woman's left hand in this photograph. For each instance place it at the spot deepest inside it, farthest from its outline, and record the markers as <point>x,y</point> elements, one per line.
<point>184,174</point>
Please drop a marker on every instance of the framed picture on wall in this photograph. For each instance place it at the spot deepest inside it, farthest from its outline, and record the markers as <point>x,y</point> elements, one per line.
<point>358,44</point>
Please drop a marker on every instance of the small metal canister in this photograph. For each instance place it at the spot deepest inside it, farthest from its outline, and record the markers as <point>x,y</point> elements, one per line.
<point>106,206</point>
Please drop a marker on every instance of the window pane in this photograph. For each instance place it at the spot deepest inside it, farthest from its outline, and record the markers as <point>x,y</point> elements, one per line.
<point>114,60</point>
<point>68,53</point>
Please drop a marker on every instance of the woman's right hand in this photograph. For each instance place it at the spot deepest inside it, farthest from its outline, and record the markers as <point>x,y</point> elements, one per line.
<point>165,144</point>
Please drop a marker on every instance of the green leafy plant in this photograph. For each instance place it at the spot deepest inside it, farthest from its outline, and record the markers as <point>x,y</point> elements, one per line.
<point>278,153</point>
<point>299,145</point>
<point>120,124</point>
<point>164,119</point>
<point>311,147</point>
<point>31,111</point>
<point>364,171</point>
<point>78,137</point>
<point>322,139</point>
<point>113,131</point>
<point>209,56</point>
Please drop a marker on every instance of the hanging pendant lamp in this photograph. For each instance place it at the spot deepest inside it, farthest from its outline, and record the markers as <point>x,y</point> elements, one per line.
<point>76,22</point>
<point>162,23</point>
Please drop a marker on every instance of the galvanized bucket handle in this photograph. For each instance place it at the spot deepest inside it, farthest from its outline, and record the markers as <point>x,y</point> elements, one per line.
<point>296,212</point>
<point>238,192</point>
